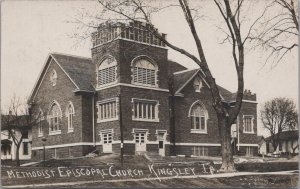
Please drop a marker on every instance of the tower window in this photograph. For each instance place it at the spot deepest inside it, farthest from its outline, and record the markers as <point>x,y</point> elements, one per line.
<point>107,72</point>
<point>144,73</point>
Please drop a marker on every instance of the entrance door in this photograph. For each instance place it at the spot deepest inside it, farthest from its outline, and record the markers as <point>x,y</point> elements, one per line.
<point>140,145</point>
<point>161,144</point>
<point>107,142</point>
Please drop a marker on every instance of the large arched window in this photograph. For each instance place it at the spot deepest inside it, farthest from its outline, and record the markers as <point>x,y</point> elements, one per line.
<point>70,114</point>
<point>55,118</point>
<point>144,72</point>
<point>199,116</point>
<point>107,71</point>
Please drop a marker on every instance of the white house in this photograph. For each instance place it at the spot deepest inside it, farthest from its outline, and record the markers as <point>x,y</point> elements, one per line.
<point>8,147</point>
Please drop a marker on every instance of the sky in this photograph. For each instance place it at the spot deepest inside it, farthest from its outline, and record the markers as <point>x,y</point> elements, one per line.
<point>30,30</point>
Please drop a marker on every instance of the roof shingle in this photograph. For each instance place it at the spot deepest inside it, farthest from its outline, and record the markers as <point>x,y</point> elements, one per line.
<point>80,69</point>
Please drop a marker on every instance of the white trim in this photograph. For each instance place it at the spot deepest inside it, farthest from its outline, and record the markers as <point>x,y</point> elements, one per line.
<point>252,124</point>
<point>187,81</point>
<point>70,129</point>
<point>40,75</point>
<point>116,100</point>
<point>196,144</point>
<point>57,132</point>
<point>198,131</point>
<point>147,58</point>
<point>79,90</point>
<point>255,145</point>
<point>131,85</point>
<point>125,39</point>
<point>182,71</point>
<point>75,56</point>
<point>249,101</point>
<point>64,145</point>
<point>64,71</point>
<point>156,110</point>
<point>38,84</point>
<point>93,119</point>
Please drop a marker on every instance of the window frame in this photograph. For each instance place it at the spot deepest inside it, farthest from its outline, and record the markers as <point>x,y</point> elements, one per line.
<point>202,151</point>
<point>115,65</point>
<point>70,117</point>
<point>100,110</point>
<point>133,68</point>
<point>146,101</point>
<point>193,118</point>
<point>27,148</point>
<point>108,138</point>
<point>41,125</point>
<point>252,124</point>
<point>51,117</point>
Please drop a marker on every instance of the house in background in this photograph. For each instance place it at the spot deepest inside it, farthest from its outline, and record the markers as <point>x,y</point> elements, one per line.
<point>8,147</point>
<point>262,146</point>
<point>288,142</point>
<point>130,95</point>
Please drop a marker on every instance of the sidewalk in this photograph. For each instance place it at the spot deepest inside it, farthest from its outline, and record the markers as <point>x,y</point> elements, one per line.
<point>219,175</point>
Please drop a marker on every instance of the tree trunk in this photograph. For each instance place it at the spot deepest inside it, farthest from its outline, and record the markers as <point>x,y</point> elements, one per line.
<point>226,148</point>
<point>17,154</point>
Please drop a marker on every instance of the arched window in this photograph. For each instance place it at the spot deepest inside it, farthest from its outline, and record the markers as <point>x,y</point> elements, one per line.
<point>107,71</point>
<point>70,114</point>
<point>53,77</point>
<point>198,115</point>
<point>54,118</point>
<point>144,72</point>
<point>41,119</point>
<point>197,84</point>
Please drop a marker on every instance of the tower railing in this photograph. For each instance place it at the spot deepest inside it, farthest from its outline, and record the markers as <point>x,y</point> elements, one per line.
<point>135,31</point>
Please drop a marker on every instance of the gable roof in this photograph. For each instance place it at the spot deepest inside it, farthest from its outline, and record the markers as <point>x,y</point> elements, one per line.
<point>174,67</point>
<point>182,78</point>
<point>78,69</point>
<point>285,135</point>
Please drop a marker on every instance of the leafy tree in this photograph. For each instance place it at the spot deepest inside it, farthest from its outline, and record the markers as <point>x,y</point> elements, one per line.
<point>278,115</point>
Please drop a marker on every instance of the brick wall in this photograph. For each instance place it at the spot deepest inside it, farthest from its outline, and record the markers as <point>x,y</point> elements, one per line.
<point>183,122</point>
<point>62,93</point>
<point>248,109</point>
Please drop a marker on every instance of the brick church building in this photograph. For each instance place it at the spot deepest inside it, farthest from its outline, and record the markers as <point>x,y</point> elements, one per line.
<point>130,94</point>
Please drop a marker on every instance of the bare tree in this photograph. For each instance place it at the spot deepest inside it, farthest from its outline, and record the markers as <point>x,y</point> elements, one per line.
<point>18,122</point>
<point>231,13</point>
<point>278,115</point>
<point>278,33</point>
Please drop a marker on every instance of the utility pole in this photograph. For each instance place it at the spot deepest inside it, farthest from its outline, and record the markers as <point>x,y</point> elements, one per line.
<point>121,130</point>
